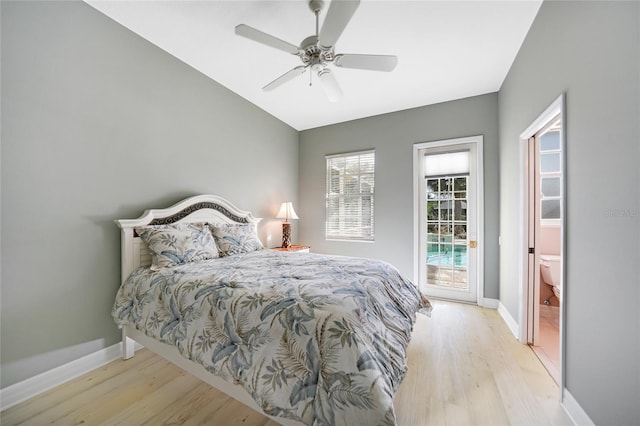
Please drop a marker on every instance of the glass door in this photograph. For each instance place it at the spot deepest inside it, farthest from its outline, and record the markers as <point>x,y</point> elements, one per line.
<point>447,262</point>
<point>447,225</point>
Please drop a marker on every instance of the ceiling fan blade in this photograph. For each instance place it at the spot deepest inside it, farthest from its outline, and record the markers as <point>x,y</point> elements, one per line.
<point>367,62</point>
<point>337,18</point>
<point>264,38</point>
<point>330,85</point>
<point>287,76</point>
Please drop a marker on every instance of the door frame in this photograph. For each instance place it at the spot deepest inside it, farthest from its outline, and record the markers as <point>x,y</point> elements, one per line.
<point>557,108</point>
<point>417,147</point>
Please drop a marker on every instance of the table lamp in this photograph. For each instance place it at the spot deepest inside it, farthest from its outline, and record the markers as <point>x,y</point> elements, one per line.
<point>286,212</point>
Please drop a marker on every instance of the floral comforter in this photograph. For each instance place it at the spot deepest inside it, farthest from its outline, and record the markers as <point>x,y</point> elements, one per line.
<point>314,338</point>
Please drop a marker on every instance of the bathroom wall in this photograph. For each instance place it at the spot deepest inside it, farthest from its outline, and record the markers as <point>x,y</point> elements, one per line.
<point>550,239</point>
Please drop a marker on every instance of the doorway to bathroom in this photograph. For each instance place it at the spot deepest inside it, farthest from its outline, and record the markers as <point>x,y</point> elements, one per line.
<point>544,211</point>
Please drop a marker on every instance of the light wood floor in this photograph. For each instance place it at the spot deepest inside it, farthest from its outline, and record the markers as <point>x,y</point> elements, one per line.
<point>465,368</point>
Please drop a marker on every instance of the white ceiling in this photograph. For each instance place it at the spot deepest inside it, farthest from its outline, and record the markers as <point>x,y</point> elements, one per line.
<point>446,50</point>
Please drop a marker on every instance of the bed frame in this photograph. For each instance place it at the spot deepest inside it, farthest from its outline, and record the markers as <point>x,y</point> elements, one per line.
<point>200,208</point>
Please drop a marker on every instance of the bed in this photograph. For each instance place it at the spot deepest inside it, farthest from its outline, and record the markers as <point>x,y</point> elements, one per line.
<point>303,338</point>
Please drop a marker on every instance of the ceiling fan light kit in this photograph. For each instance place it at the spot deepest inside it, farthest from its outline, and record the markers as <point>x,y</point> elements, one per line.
<point>317,51</point>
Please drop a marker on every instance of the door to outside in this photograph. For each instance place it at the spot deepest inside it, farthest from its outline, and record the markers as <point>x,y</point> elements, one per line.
<point>447,198</point>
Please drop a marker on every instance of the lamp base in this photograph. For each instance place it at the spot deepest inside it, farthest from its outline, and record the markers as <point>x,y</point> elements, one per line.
<point>286,235</point>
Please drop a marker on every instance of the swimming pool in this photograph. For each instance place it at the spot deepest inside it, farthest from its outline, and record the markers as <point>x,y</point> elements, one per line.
<point>457,258</point>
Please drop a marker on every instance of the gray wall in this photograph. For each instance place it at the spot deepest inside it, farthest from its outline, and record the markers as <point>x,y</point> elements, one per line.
<point>97,125</point>
<point>392,136</point>
<point>590,51</point>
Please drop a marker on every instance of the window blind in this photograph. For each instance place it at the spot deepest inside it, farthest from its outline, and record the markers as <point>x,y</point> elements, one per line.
<point>350,196</point>
<point>447,164</point>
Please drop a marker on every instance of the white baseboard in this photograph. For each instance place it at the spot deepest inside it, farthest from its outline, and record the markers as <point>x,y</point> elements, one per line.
<point>21,391</point>
<point>508,319</point>
<point>578,416</point>
<point>489,303</point>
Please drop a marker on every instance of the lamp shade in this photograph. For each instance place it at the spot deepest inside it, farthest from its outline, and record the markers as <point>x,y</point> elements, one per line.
<point>286,211</point>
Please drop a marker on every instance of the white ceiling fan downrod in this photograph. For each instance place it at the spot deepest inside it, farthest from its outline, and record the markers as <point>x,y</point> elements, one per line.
<point>312,54</point>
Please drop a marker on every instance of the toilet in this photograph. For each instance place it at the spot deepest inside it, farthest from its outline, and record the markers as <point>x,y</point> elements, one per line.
<point>550,269</point>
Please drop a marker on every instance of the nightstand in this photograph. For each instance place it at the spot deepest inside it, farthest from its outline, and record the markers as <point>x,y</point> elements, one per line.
<point>294,248</point>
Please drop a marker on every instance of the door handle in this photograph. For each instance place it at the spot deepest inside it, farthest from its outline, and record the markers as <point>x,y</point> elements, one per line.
<point>472,244</point>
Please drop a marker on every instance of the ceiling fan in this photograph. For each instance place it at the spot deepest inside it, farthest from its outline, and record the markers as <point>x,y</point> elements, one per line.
<point>317,51</point>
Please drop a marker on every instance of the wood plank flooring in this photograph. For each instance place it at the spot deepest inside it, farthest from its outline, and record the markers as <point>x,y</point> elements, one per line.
<point>465,368</point>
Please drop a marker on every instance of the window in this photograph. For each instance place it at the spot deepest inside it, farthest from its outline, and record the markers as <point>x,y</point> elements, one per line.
<point>550,175</point>
<point>350,196</point>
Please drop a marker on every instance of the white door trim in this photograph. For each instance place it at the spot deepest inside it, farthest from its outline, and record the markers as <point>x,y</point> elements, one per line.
<point>556,108</point>
<point>478,140</point>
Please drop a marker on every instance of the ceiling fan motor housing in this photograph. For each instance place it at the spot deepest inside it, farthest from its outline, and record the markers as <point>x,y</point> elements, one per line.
<point>312,54</point>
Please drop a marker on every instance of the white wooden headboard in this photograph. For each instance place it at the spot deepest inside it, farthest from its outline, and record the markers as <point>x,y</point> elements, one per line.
<point>200,208</point>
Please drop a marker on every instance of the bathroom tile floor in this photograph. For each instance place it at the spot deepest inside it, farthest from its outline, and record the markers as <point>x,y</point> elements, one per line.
<point>548,346</point>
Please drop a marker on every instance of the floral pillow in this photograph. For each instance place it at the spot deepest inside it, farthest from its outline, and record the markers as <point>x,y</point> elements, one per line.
<point>236,238</point>
<point>176,244</point>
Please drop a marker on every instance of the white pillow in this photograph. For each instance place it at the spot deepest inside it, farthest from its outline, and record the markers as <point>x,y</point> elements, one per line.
<point>236,238</point>
<point>179,243</point>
